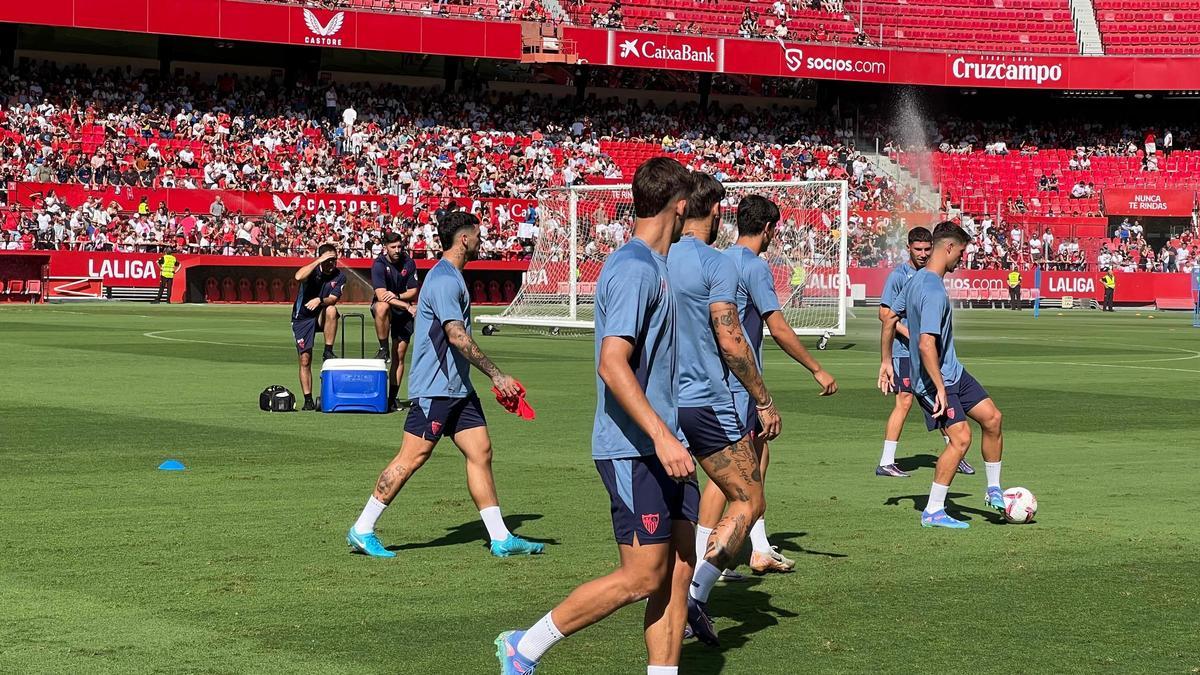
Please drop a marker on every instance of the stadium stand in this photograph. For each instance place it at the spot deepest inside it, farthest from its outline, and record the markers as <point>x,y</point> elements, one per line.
<point>1149,26</point>
<point>1013,26</point>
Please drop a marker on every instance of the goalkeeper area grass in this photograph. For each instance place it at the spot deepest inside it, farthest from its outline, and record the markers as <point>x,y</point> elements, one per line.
<point>239,563</point>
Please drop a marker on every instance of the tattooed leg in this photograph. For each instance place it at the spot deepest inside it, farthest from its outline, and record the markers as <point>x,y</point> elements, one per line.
<point>735,471</point>
<point>413,453</point>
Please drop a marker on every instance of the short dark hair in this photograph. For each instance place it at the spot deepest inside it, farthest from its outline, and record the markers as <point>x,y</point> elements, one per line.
<point>754,214</point>
<point>452,224</point>
<point>391,237</point>
<point>326,248</point>
<point>950,230</point>
<point>658,182</point>
<point>707,192</point>
<point>919,233</point>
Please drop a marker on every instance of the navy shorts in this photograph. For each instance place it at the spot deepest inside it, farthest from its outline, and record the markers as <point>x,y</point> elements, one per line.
<point>961,397</point>
<point>645,499</point>
<point>432,418</point>
<point>748,412</point>
<point>401,324</point>
<point>901,383</point>
<point>305,332</point>
<point>710,428</point>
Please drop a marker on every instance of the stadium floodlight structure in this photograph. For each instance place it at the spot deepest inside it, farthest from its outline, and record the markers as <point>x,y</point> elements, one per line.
<point>581,225</point>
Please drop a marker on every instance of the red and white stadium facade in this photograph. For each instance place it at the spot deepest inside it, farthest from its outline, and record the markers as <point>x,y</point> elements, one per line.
<point>350,29</point>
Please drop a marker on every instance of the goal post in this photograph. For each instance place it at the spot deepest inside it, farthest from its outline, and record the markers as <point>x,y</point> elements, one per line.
<point>581,225</point>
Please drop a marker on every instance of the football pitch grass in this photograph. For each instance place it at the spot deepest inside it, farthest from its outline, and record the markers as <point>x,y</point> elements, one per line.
<point>239,564</point>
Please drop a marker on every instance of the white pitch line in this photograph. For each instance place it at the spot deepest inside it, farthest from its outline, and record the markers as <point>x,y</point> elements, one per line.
<point>157,335</point>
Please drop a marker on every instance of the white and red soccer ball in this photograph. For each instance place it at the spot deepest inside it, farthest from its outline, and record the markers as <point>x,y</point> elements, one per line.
<point>1020,506</point>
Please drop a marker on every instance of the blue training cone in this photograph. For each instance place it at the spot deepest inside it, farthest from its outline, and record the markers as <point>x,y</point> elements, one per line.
<point>171,465</point>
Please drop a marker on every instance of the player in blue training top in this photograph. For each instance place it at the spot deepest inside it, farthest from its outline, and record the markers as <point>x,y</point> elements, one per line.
<point>944,389</point>
<point>893,346</point>
<point>713,351</point>
<point>394,278</point>
<point>444,402</point>
<point>758,306</point>
<point>315,311</point>
<point>649,475</point>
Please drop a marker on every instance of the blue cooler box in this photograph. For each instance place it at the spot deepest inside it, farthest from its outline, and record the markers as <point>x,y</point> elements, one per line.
<point>354,385</point>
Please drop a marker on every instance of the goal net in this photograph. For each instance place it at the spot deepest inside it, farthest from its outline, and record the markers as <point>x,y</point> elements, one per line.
<point>581,225</point>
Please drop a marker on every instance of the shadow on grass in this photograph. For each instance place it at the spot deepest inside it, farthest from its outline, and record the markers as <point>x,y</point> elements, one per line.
<point>749,609</point>
<point>474,532</point>
<point>954,510</point>
<point>917,462</point>
<point>784,540</point>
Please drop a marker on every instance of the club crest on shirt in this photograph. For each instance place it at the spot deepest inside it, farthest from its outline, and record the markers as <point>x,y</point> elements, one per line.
<point>650,522</point>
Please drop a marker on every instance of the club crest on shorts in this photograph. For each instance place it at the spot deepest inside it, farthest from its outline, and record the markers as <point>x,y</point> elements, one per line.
<point>650,522</point>
<point>436,427</point>
<point>950,413</point>
<point>907,382</point>
<point>300,343</point>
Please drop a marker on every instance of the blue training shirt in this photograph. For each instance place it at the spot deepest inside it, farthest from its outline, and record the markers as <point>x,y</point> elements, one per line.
<point>756,298</point>
<point>700,276</point>
<point>317,285</point>
<point>634,301</point>
<point>892,289</point>
<point>928,307</point>
<point>397,277</point>
<point>438,369</point>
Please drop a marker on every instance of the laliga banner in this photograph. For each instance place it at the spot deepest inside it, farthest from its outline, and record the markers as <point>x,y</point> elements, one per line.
<point>1148,202</point>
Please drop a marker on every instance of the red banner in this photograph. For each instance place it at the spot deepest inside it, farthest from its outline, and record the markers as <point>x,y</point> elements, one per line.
<point>199,201</point>
<point>141,270</point>
<point>421,34</point>
<point>1148,202</point>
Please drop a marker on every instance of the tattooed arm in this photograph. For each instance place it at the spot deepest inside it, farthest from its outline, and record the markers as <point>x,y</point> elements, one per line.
<point>739,357</point>
<point>465,344</point>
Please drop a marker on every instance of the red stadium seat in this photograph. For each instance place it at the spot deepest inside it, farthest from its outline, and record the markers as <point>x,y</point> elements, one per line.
<point>479,292</point>
<point>277,294</point>
<point>261,294</point>
<point>228,290</point>
<point>212,290</point>
<point>33,288</point>
<point>245,291</point>
<point>494,296</point>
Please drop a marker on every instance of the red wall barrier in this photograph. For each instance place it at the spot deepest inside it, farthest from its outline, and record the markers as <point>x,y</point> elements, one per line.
<point>139,270</point>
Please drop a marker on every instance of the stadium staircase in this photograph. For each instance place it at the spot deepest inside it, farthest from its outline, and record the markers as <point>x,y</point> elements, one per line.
<point>912,181</point>
<point>1087,31</point>
<point>556,11</point>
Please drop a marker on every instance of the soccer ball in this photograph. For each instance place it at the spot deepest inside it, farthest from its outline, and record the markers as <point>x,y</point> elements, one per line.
<point>1020,506</point>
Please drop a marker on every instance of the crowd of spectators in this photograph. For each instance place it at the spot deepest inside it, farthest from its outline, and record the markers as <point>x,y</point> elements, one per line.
<point>121,129</point>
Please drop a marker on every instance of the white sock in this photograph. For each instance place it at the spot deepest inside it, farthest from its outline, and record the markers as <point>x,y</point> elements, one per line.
<point>662,670</point>
<point>937,498</point>
<point>702,534</point>
<point>945,440</point>
<point>370,514</point>
<point>992,469</point>
<point>758,536</point>
<point>494,522</point>
<point>703,579</point>
<point>889,453</point>
<point>541,636</point>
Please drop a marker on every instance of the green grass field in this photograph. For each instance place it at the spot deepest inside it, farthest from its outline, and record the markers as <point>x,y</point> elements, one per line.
<point>239,564</point>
